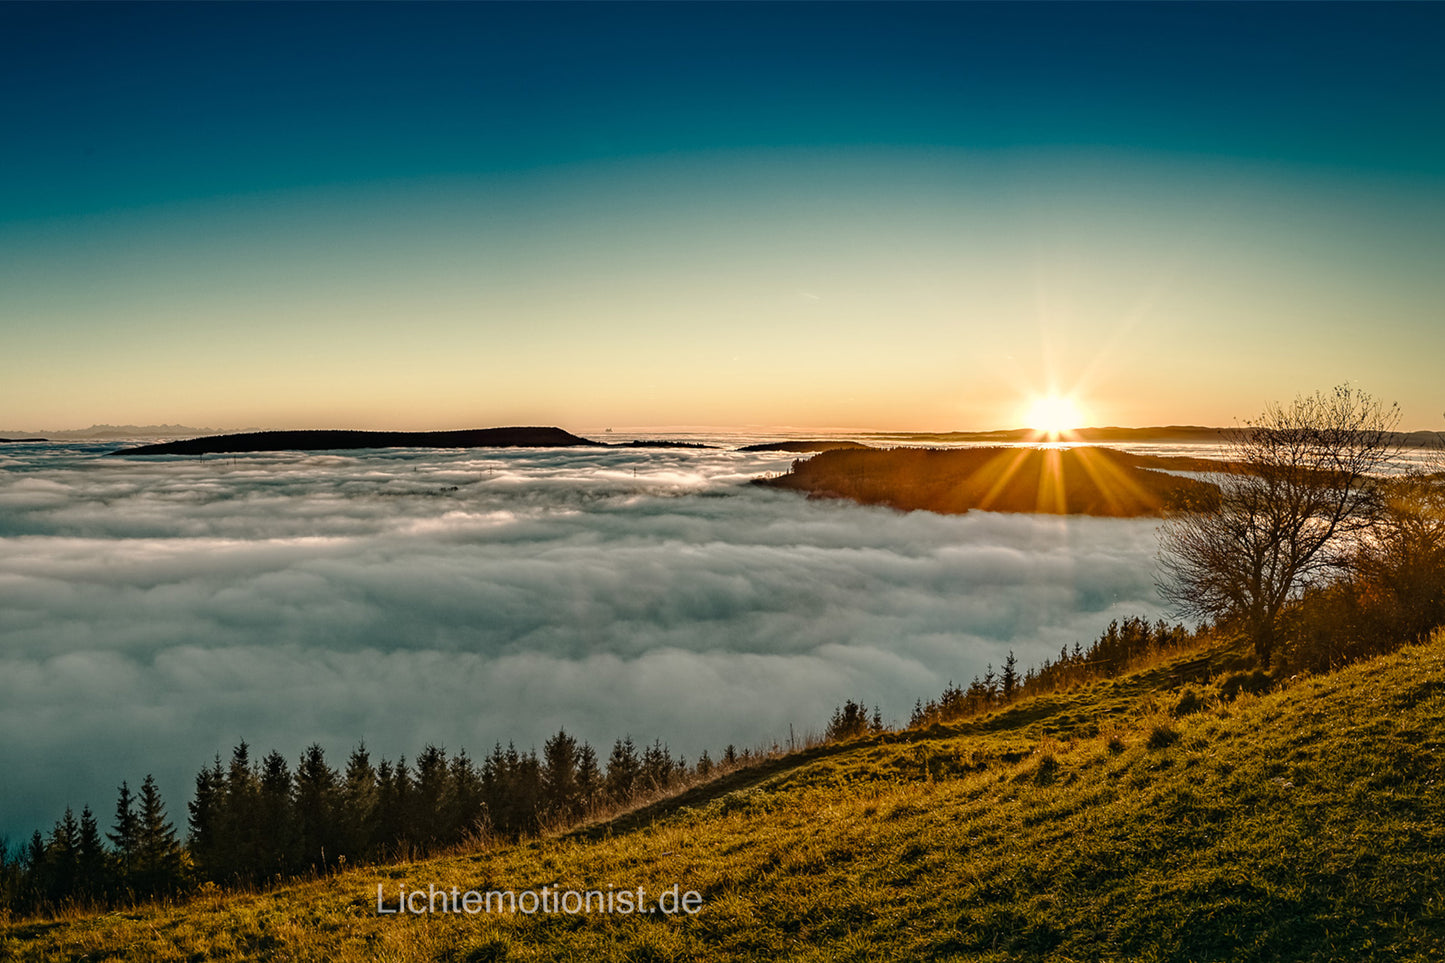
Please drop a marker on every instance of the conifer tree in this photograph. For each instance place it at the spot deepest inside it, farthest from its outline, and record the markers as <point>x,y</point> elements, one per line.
<point>526,791</point>
<point>622,770</point>
<point>276,825</point>
<point>589,780</point>
<point>657,767</point>
<point>90,858</point>
<point>314,806</point>
<point>239,822</point>
<point>1010,679</point>
<point>393,807</point>
<point>35,869</point>
<point>463,807</point>
<point>388,809</point>
<point>559,777</point>
<point>157,854</point>
<point>496,789</point>
<point>430,788</point>
<point>404,796</point>
<point>62,863</point>
<point>358,817</point>
<point>125,836</point>
<point>205,810</point>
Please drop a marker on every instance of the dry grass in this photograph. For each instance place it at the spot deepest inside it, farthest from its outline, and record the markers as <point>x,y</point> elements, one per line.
<point>1301,824</point>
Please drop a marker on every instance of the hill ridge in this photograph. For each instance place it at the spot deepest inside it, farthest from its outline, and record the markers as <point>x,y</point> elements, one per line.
<point>346,439</point>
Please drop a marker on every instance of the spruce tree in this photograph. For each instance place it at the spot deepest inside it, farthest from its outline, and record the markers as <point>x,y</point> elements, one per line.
<point>393,807</point>
<point>157,854</point>
<point>239,824</point>
<point>497,790</point>
<point>622,771</point>
<point>463,808</point>
<point>314,805</point>
<point>427,822</point>
<point>90,858</point>
<point>589,780</point>
<point>1010,678</point>
<point>36,878</point>
<point>124,837</point>
<point>657,767</point>
<point>204,819</point>
<point>358,822</point>
<point>559,778</point>
<point>275,824</point>
<point>62,861</point>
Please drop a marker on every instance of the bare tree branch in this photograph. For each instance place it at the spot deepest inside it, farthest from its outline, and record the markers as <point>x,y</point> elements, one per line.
<point>1296,493</point>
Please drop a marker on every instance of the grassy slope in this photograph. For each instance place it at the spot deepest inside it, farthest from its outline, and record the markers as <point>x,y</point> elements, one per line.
<point>1306,824</point>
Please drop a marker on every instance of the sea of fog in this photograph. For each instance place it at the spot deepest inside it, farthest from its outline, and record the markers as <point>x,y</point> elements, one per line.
<point>156,611</point>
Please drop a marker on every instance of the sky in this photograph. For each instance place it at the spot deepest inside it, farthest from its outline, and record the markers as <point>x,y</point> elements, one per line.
<point>813,215</point>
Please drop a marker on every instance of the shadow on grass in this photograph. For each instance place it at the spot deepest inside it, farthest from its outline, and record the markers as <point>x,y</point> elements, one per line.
<point>1079,712</point>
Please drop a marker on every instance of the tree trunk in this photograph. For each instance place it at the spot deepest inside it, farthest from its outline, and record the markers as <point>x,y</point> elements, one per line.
<point>1264,642</point>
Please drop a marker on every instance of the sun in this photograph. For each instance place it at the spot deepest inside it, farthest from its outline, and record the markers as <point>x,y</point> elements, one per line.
<point>1054,415</point>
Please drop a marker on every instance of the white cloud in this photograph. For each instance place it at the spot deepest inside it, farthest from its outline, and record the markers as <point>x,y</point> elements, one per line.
<point>155,612</point>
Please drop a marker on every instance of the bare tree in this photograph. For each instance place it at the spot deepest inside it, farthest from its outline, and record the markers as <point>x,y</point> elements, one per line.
<point>1400,568</point>
<point>1295,494</point>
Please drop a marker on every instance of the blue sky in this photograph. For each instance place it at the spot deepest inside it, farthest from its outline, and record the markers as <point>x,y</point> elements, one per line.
<point>853,215</point>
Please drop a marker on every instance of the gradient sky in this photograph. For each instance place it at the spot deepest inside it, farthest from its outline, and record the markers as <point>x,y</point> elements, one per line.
<point>889,216</point>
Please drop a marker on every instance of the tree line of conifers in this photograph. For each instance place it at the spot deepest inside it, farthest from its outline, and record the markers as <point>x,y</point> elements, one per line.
<point>251,821</point>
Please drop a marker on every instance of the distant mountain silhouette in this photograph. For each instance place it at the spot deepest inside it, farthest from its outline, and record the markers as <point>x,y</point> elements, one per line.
<point>1057,481</point>
<point>330,440</point>
<point>1156,434</point>
<point>805,446</point>
<point>109,433</point>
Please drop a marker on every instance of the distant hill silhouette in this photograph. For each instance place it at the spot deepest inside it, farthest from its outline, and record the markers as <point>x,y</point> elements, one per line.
<point>108,433</point>
<point>805,446</point>
<point>1158,433</point>
<point>329,440</point>
<point>1059,481</point>
<point>1161,434</point>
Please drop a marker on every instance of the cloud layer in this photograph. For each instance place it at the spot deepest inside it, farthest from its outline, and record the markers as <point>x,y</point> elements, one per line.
<point>156,611</point>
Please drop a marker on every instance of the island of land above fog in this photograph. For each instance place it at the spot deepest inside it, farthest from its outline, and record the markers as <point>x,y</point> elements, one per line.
<point>335,440</point>
<point>1056,481</point>
<point>343,440</point>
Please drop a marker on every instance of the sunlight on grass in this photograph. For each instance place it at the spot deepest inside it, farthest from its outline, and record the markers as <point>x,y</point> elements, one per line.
<point>1169,818</point>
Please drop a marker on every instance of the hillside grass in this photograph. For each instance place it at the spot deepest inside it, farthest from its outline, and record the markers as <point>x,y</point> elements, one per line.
<point>1143,818</point>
